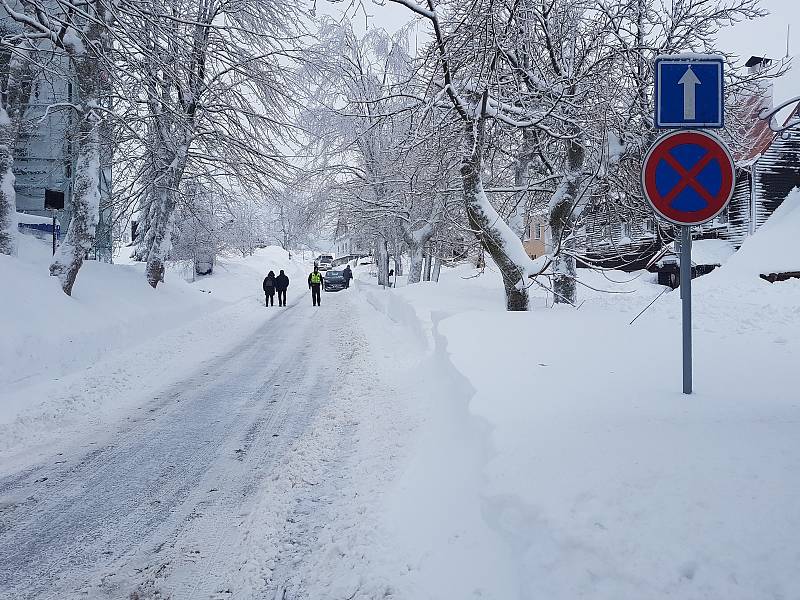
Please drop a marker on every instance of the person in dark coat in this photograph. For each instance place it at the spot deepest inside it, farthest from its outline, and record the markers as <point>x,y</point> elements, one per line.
<point>348,275</point>
<point>281,285</point>
<point>315,284</point>
<point>269,289</point>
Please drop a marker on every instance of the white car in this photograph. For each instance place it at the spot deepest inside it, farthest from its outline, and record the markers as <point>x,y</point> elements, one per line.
<point>324,262</point>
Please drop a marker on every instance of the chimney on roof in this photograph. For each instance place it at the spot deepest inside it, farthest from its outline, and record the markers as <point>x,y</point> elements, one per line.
<point>757,63</point>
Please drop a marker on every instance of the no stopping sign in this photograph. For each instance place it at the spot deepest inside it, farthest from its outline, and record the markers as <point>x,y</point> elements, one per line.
<point>688,177</point>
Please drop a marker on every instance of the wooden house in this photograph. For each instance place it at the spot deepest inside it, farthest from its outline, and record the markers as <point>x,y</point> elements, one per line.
<point>767,168</point>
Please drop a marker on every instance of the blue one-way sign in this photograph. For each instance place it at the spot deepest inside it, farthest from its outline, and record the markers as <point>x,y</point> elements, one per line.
<point>689,91</point>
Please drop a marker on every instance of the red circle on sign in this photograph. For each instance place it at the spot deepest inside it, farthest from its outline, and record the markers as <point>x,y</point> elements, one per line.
<point>688,177</point>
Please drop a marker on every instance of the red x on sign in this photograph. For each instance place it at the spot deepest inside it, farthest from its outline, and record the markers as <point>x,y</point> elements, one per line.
<point>688,177</point>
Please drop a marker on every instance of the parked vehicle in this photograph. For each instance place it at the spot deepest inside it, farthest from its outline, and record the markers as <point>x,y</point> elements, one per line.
<point>334,281</point>
<point>324,262</point>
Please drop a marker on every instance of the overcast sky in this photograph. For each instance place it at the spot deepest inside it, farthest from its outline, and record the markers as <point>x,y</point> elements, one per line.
<point>764,37</point>
<point>767,36</point>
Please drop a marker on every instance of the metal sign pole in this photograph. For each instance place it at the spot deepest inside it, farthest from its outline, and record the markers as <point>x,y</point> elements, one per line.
<point>54,233</point>
<point>686,303</point>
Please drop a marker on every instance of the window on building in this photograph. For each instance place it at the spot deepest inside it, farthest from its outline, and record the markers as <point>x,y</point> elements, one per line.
<point>537,231</point>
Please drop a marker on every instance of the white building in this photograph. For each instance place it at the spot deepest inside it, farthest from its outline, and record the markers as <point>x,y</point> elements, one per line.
<point>348,242</point>
<point>46,152</point>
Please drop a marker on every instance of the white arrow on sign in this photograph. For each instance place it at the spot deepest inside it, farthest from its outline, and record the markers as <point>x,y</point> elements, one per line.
<point>689,81</point>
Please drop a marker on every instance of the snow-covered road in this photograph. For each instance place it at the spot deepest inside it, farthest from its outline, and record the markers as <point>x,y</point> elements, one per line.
<point>195,495</point>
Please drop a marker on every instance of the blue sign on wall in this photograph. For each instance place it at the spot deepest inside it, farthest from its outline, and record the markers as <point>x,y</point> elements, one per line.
<point>689,92</point>
<point>40,228</point>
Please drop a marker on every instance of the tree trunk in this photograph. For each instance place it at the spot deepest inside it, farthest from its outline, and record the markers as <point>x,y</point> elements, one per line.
<point>524,158</point>
<point>397,250</point>
<point>15,95</point>
<point>428,259</point>
<point>495,236</point>
<point>563,212</point>
<point>8,199</point>
<point>437,268</point>
<point>159,245</point>
<point>86,187</point>
<point>85,206</point>
<point>416,240</point>
<point>415,268</point>
<point>382,260</point>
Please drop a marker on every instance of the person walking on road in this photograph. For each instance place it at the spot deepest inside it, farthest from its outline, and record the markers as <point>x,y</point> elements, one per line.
<point>269,289</point>
<point>315,284</point>
<point>348,275</point>
<point>281,285</point>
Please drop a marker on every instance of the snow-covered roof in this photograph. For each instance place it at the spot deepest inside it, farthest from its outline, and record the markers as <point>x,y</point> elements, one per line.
<point>711,252</point>
<point>704,252</point>
<point>33,219</point>
<point>689,56</point>
<point>759,135</point>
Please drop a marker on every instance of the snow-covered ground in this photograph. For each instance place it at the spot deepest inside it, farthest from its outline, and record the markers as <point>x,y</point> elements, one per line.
<point>558,458</point>
<point>69,364</point>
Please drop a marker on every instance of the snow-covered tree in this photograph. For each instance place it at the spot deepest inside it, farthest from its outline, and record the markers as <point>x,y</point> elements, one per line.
<point>568,81</point>
<point>81,32</point>
<point>212,90</point>
<point>357,92</point>
<point>16,77</point>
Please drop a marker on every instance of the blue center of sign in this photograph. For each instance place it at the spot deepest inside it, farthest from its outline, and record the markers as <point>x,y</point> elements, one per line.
<point>690,189</point>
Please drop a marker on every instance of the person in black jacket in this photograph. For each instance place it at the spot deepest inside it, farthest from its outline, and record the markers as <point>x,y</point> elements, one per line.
<point>315,284</point>
<point>269,288</point>
<point>281,285</point>
<point>348,275</point>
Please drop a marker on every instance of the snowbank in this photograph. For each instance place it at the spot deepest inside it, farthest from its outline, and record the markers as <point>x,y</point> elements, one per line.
<point>33,219</point>
<point>69,362</point>
<point>46,334</point>
<point>775,247</point>
<point>558,459</point>
<point>711,252</point>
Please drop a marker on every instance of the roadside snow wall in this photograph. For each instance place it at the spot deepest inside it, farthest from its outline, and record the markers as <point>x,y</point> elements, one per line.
<point>581,471</point>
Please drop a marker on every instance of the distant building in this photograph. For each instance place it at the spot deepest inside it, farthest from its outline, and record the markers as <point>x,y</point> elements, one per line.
<point>349,242</point>
<point>619,241</point>
<point>45,154</point>
<point>536,242</point>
